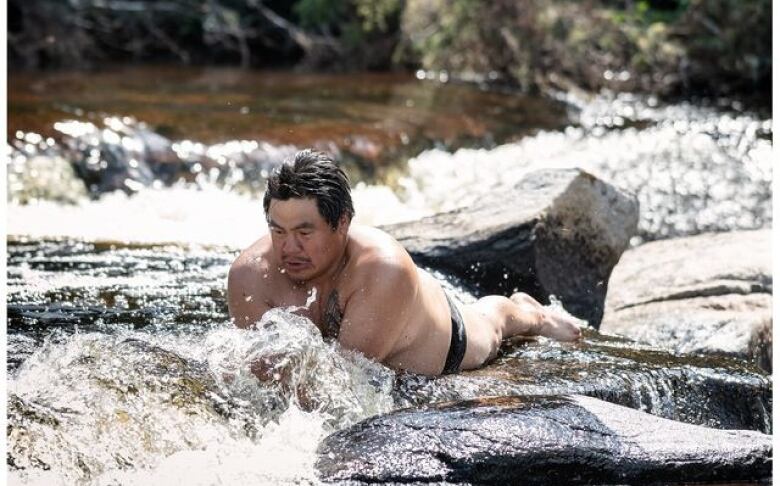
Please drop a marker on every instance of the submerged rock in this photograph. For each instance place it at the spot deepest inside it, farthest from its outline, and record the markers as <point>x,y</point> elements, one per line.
<point>556,232</point>
<point>124,154</point>
<point>539,440</point>
<point>710,293</point>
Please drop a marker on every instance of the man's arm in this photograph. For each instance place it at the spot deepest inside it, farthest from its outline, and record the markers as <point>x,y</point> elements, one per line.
<point>378,312</point>
<point>246,304</point>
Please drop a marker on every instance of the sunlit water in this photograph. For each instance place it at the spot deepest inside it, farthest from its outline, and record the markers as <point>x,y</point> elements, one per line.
<point>108,407</point>
<point>123,368</point>
<point>693,170</point>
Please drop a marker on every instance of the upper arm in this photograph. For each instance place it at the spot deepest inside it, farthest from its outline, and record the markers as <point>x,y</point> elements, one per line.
<point>378,311</point>
<point>246,303</point>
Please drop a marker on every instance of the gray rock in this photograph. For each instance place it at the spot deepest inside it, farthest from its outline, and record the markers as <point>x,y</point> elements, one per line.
<point>714,391</point>
<point>710,293</point>
<point>557,232</point>
<point>539,440</point>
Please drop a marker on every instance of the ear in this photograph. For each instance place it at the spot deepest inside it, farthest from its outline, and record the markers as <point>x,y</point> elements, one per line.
<point>343,226</point>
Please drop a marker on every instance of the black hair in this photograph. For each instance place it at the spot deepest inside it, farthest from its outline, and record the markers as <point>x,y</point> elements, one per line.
<point>312,174</point>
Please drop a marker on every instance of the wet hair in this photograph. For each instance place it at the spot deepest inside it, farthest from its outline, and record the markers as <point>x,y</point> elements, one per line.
<point>312,174</point>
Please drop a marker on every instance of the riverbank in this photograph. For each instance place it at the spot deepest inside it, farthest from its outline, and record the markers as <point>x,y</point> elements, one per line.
<point>670,48</point>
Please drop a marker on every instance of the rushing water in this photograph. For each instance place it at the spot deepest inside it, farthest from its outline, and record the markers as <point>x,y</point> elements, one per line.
<point>123,367</point>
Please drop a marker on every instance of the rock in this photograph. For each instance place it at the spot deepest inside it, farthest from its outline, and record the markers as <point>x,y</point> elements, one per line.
<point>539,440</point>
<point>556,232</point>
<point>710,293</point>
<point>44,177</point>
<point>712,391</point>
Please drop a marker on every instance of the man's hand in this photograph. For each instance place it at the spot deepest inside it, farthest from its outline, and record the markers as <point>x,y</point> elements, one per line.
<point>272,369</point>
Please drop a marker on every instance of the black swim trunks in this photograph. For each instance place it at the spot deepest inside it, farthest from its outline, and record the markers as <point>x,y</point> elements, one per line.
<point>457,341</point>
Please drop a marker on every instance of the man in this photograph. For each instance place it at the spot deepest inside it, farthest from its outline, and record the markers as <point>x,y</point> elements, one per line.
<point>360,286</point>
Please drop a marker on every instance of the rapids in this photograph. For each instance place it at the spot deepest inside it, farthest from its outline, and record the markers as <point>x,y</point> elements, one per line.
<point>122,365</point>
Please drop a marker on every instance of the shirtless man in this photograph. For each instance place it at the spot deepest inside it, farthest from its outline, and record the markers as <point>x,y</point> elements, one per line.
<point>369,293</point>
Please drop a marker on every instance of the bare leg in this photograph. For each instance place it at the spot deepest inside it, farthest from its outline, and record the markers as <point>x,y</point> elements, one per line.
<point>494,318</point>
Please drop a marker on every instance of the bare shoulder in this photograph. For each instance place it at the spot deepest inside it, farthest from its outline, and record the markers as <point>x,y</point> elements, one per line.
<point>247,283</point>
<point>375,245</point>
<point>380,259</point>
<point>251,263</point>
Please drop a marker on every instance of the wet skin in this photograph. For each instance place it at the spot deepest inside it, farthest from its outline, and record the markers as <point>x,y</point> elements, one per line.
<point>370,294</point>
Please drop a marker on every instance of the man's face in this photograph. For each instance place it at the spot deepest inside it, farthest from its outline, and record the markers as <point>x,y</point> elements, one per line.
<point>305,246</point>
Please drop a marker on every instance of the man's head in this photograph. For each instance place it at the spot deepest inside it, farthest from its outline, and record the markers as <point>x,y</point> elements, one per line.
<point>309,209</point>
<point>312,175</point>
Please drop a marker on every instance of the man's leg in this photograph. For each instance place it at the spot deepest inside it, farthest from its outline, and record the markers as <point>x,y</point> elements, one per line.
<point>494,318</point>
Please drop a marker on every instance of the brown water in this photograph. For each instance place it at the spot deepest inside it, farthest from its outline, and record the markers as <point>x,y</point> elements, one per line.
<point>378,118</point>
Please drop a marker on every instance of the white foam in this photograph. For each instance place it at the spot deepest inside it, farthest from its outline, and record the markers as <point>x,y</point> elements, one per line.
<point>713,164</point>
<point>285,454</point>
<point>205,215</point>
<point>109,401</point>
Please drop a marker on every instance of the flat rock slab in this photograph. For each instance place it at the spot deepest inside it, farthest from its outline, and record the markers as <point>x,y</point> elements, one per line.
<point>713,391</point>
<point>710,293</point>
<point>539,440</point>
<point>556,232</point>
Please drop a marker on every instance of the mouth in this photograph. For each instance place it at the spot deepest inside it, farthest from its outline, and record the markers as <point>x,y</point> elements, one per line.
<point>293,265</point>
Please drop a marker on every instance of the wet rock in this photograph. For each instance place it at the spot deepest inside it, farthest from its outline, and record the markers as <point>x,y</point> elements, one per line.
<point>124,154</point>
<point>556,232</point>
<point>48,178</point>
<point>713,391</point>
<point>539,440</point>
<point>710,293</point>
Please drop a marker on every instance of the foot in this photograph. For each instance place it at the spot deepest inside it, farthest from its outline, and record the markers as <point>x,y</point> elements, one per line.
<point>549,322</point>
<point>559,326</point>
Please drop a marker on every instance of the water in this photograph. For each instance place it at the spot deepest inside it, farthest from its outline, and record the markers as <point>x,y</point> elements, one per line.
<point>123,368</point>
<point>380,118</point>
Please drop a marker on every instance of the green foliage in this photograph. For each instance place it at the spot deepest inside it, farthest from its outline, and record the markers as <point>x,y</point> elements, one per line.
<point>347,15</point>
<point>318,13</point>
<point>378,15</point>
<point>662,46</point>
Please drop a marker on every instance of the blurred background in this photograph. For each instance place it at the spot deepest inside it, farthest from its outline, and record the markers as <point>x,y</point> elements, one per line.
<point>669,47</point>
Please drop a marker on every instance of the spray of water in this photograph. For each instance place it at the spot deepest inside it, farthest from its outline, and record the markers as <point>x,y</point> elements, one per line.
<point>133,407</point>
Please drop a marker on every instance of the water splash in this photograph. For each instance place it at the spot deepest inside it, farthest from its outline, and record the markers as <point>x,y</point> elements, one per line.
<point>131,405</point>
<point>556,306</point>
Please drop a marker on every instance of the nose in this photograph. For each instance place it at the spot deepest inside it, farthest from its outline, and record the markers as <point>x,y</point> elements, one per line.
<point>291,244</point>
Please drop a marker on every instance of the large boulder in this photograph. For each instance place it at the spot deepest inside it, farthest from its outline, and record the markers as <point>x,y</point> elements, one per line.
<point>710,293</point>
<point>556,232</point>
<point>539,440</point>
